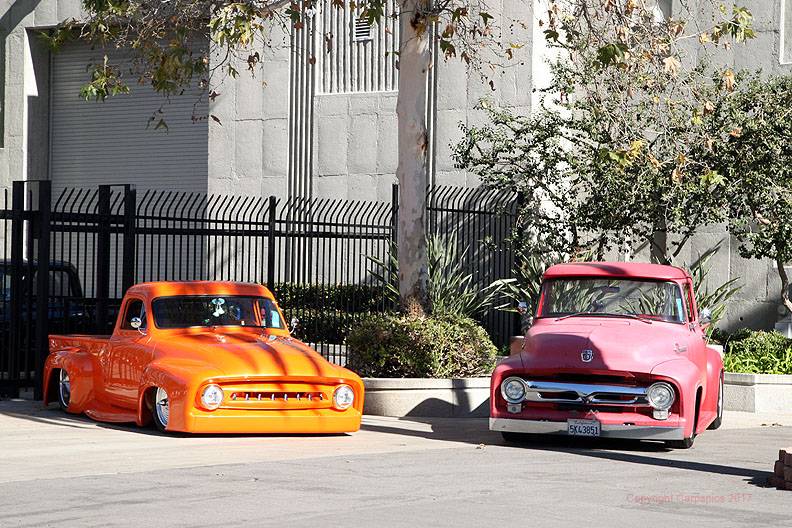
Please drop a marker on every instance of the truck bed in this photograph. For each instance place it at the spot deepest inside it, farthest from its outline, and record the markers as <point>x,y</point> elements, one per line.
<point>83,341</point>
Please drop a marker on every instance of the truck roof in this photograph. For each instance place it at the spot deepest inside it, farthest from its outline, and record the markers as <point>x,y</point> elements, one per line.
<point>151,290</point>
<point>632,270</point>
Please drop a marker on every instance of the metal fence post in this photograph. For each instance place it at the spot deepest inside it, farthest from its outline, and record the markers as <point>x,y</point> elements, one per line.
<point>271,243</point>
<point>394,213</point>
<point>130,241</point>
<point>102,289</point>
<point>394,246</point>
<point>17,249</point>
<point>42,284</point>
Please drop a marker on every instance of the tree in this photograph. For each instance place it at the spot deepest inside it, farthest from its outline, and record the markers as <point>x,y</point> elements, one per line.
<point>530,156</point>
<point>619,152</point>
<point>161,35</point>
<point>756,161</point>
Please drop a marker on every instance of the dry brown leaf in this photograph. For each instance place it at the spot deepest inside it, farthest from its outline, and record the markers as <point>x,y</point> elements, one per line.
<point>728,80</point>
<point>671,65</point>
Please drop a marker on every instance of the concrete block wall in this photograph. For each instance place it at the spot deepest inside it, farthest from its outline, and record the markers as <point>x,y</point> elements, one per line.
<point>249,147</point>
<point>771,49</point>
<point>756,304</point>
<point>459,89</point>
<point>24,85</point>
<point>356,146</point>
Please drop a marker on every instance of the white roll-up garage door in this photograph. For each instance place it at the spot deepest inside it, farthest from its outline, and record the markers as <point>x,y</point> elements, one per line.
<point>115,141</point>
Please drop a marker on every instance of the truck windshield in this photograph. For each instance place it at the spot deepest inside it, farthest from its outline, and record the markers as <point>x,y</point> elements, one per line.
<point>649,300</point>
<point>192,311</point>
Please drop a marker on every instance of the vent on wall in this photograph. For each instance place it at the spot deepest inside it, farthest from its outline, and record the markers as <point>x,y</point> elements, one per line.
<point>361,31</point>
<point>358,57</point>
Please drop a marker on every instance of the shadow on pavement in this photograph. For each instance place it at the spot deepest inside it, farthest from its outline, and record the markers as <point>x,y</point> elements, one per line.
<point>35,411</point>
<point>752,476</point>
<point>618,450</point>
<point>476,431</point>
<point>38,413</point>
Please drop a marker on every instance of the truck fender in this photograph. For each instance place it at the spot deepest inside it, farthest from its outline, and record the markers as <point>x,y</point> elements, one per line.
<point>176,379</point>
<point>685,375</point>
<point>714,371</point>
<point>80,366</point>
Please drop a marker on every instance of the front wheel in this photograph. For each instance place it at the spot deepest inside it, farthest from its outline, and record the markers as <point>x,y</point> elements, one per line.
<point>64,389</point>
<point>514,438</point>
<point>685,443</point>
<point>716,423</point>
<point>161,410</point>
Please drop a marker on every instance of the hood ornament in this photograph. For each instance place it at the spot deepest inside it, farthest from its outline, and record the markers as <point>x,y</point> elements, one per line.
<point>587,355</point>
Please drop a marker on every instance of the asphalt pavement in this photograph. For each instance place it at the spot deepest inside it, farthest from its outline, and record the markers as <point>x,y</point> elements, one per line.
<point>62,470</point>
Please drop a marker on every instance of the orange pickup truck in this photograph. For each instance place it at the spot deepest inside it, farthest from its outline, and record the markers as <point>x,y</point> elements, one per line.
<point>202,357</point>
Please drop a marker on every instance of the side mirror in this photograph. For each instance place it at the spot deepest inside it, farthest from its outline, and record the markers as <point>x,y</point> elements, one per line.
<point>526,321</point>
<point>705,316</point>
<point>137,324</point>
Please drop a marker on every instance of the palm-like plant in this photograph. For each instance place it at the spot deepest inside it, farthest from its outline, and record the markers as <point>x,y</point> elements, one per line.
<point>451,289</point>
<point>713,299</point>
<point>528,272</point>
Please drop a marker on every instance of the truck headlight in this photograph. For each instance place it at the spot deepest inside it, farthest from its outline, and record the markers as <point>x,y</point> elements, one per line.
<point>513,390</point>
<point>660,395</point>
<point>343,397</point>
<point>212,397</point>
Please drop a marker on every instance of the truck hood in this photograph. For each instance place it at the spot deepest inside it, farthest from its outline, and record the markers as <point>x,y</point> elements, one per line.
<point>616,345</point>
<point>251,354</point>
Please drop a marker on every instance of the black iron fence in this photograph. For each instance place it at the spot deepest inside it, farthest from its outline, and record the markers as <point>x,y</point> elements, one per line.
<point>316,254</point>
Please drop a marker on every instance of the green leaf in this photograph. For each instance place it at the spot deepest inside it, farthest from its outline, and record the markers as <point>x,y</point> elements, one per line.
<point>551,35</point>
<point>712,178</point>
<point>611,53</point>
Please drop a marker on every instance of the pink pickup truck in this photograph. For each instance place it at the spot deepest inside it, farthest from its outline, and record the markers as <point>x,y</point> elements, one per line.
<point>616,350</point>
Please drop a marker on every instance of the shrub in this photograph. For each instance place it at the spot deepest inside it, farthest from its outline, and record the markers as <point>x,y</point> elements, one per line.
<point>321,326</point>
<point>352,298</point>
<point>327,312</point>
<point>758,353</point>
<point>412,346</point>
<point>723,337</point>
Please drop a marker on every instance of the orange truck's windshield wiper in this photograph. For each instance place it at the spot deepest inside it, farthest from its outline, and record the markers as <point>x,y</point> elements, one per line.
<point>605,314</point>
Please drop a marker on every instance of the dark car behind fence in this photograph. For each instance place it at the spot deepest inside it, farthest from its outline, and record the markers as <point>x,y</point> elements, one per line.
<point>316,254</point>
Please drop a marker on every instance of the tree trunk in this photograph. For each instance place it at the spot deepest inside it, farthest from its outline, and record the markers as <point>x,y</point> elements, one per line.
<point>414,64</point>
<point>658,242</point>
<point>659,247</point>
<point>784,285</point>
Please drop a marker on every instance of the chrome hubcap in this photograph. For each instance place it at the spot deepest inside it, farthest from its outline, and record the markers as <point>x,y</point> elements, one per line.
<point>161,406</point>
<point>64,387</point>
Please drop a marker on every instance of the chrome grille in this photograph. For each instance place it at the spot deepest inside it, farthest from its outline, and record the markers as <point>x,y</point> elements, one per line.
<point>585,394</point>
<point>277,396</point>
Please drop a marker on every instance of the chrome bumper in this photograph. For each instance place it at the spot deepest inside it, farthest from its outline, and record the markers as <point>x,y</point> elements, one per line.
<point>634,432</point>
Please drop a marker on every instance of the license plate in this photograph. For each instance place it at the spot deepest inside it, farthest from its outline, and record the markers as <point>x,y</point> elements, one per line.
<point>583,427</point>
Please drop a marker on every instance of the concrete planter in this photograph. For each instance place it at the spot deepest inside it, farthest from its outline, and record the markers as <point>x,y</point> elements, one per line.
<point>445,398</point>
<point>758,392</point>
